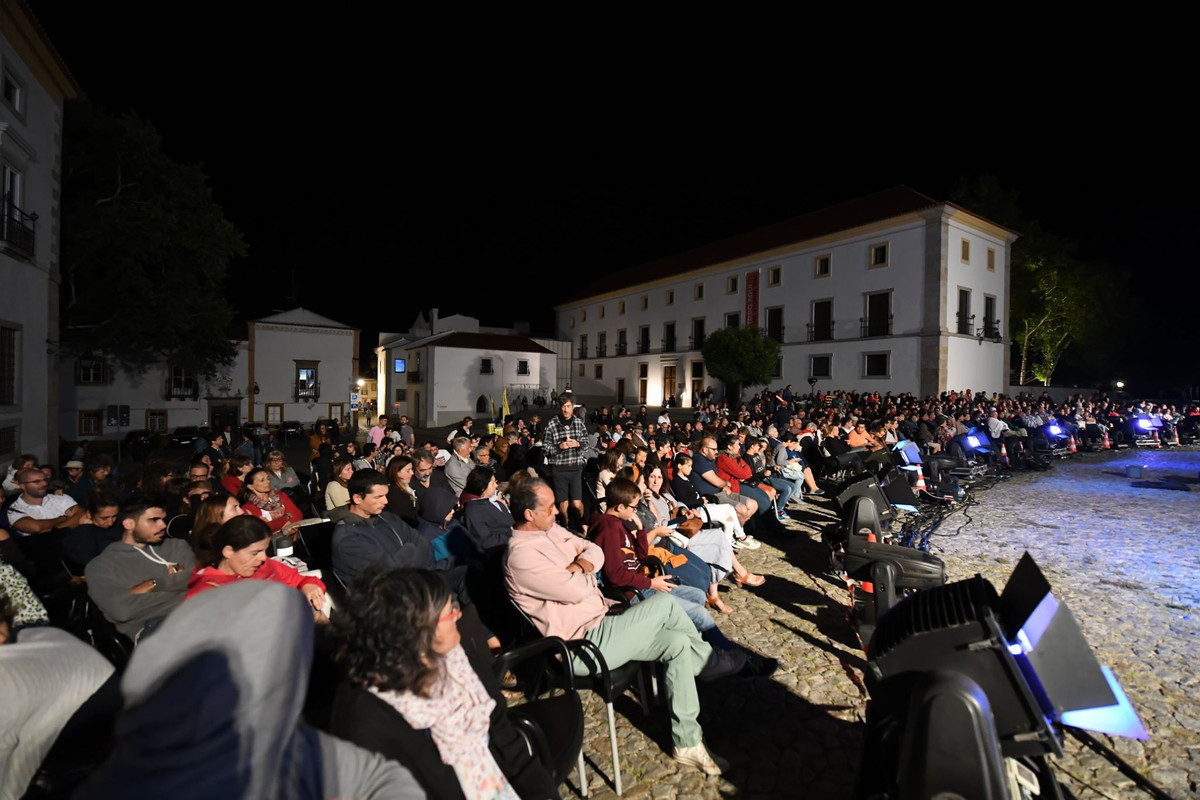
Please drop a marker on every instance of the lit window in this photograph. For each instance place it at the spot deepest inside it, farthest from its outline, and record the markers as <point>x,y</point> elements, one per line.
<point>91,423</point>
<point>90,371</point>
<point>991,260</point>
<point>399,365</point>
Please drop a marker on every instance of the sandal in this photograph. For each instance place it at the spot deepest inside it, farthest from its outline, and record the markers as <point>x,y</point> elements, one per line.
<point>717,604</point>
<point>749,579</point>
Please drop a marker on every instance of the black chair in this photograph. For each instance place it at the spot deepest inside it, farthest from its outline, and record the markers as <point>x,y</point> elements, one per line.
<point>608,683</point>
<point>551,721</point>
<point>111,643</point>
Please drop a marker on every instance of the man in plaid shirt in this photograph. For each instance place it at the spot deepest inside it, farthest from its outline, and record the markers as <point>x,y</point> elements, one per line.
<point>563,443</point>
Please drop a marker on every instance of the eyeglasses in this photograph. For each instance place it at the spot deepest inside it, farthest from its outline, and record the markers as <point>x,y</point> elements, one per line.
<point>455,613</point>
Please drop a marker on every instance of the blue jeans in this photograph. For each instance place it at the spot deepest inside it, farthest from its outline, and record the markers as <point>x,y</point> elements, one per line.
<point>692,601</point>
<point>757,495</point>
<point>785,489</point>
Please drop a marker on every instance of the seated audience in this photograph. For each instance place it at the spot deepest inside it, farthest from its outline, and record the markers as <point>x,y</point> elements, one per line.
<point>485,514</point>
<point>235,475</point>
<point>336,493</point>
<point>282,476</point>
<point>402,500</point>
<point>96,531</point>
<point>38,511</point>
<point>272,507</point>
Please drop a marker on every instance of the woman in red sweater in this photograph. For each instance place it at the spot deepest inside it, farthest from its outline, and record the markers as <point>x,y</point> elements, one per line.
<point>238,551</point>
<point>261,502</point>
<point>733,468</point>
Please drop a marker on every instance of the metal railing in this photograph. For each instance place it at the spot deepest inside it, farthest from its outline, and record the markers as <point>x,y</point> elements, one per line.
<point>302,392</point>
<point>17,228</point>
<point>695,342</point>
<point>668,344</point>
<point>820,333</point>
<point>875,326</point>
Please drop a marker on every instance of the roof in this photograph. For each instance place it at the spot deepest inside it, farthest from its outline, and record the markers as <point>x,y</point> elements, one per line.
<point>303,317</point>
<point>480,341</point>
<point>894,202</point>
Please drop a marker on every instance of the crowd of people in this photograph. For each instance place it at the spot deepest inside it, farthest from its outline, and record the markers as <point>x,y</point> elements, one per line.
<point>619,527</point>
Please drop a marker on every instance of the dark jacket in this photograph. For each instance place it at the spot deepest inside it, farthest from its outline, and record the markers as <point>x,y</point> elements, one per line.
<point>385,540</point>
<point>363,719</point>
<point>490,526</point>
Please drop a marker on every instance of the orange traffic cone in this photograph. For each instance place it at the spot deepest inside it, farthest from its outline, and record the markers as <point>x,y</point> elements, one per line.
<point>1175,437</point>
<point>1154,436</point>
<point>920,487</point>
<point>1004,455</point>
<point>1071,444</point>
<point>1106,444</point>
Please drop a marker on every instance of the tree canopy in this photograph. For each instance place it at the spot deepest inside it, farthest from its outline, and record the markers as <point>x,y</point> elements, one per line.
<point>145,248</point>
<point>740,356</point>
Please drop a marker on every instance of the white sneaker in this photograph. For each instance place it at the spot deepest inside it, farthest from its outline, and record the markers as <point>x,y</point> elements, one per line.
<point>700,758</point>
<point>750,543</point>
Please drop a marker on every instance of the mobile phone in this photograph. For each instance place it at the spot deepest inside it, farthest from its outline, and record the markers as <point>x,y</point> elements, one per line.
<point>675,523</point>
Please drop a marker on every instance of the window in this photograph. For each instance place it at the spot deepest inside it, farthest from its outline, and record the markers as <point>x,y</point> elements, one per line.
<point>823,266</point>
<point>571,322</point>
<point>774,276</point>
<point>485,366</point>
<point>876,365</point>
<point>966,320</point>
<point>583,345</point>
<point>965,256</point>
<point>878,321</point>
<point>399,365</point>
<point>308,384</point>
<point>621,308</point>
<point>879,255</point>
<point>643,370</point>
<point>670,297</point>
<point>523,366</point>
<point>698,333</point>
<point>991,260</point>
<point>601,312</point>
<point>643,382</point>
<point>820,366</point>
<point>581,368</point>
<point>401,395</point>
<point>583,315</point>
<point>777,371</point>
<point>991,324</point>
<point>599,371</point>
<point>183,383</point>
<point>91,423</point>
<point>601,344</point>
<point>156,421</point>
<point>731,284</point>
<point>14,93</point>
<point>668,342</point>
<point>774,328</point>
<point>821,327</point>
<point>697,369</point>
<point>8,366</point>
<point>644,339</point>
<point>645,302</point>
<point>622,342</point>
<point>698,292</point>
<point>733,320</point>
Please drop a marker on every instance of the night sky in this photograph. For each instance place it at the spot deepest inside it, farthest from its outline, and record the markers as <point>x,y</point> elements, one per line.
<point>376,169</point>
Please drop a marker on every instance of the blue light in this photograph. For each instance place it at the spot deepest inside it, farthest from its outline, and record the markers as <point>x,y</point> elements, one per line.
<point>1117,720</point>
<point>973,440</point>
<point>1031,632</point>
<point>1057,431</point>
<point>1145,424</point>
<point>1016,649</point>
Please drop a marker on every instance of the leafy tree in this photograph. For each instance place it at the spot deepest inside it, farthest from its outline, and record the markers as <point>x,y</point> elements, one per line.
<point>1055,296</point>
<point>144,248</point>
<point>740,356</point>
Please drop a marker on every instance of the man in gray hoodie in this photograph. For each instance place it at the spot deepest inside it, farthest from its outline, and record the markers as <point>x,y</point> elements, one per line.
<point>142,578</point>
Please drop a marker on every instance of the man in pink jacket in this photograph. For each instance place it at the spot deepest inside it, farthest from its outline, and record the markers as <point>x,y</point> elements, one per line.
<point>551,575</point>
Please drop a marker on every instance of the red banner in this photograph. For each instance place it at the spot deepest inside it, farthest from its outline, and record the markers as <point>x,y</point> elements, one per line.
<point>752,299</point>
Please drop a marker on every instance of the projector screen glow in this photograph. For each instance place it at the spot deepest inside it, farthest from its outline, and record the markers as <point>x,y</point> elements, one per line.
<point>973,441</point>
<point>1057,431</point>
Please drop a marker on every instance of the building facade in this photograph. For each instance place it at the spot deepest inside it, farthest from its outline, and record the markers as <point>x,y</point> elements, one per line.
<point>891,292</point>
<point>35,84</point>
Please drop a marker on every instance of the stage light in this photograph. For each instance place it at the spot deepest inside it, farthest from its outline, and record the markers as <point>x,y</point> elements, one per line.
<point>1145,424</point>
<point>973,440</point>
<point>1057,431</point>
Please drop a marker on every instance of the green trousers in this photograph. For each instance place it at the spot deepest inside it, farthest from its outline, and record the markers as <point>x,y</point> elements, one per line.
<point>658,629</point>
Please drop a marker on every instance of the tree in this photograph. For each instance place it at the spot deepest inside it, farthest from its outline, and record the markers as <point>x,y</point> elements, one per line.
<point>738,356</point>
<point>1055,296</point>
<point>145,248</point>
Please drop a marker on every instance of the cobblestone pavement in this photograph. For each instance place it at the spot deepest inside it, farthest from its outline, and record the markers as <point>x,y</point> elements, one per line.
<point>1124,556</point>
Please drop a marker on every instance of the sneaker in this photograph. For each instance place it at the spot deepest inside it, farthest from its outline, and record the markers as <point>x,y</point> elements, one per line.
<point>817,492</point>
<point>700,758</point>
<point>783,518</point>
<point>749,542</point>
<point>758,667</point>
<point>722,663</point>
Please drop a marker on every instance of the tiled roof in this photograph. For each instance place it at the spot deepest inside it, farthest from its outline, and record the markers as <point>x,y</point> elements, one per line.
<point>481,341</point>
<point>894,202</point>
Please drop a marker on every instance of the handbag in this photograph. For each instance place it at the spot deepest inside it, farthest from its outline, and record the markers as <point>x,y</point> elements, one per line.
<point>791,472</point>
<point>689,527</point>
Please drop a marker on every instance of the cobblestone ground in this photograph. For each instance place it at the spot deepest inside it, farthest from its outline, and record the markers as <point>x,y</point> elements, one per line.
<point>1124,555</point>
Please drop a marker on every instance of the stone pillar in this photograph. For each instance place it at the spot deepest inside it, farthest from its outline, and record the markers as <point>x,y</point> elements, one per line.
<point>934,336</point>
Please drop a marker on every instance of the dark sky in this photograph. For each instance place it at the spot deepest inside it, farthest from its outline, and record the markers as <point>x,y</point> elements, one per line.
<point>376,167</point>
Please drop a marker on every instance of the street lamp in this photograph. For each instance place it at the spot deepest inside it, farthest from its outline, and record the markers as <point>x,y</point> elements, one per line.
<point>1120,385</point>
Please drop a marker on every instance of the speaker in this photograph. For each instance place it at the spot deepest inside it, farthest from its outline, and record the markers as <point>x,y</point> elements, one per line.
<point>865,485</point>
<point>896,489</point>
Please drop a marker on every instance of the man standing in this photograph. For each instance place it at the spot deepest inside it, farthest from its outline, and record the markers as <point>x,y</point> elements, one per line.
<point>551,576</point>
<point>563,444</point>
<point>139,580</point>
<point>375,434</point>
<point>408,437</point>
<point>37,511</point>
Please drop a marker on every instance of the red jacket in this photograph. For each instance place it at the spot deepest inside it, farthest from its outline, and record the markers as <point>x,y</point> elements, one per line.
<point>204,578</point>
<point>733,470</point>
<point>623,551</point>
<point>277,522</point>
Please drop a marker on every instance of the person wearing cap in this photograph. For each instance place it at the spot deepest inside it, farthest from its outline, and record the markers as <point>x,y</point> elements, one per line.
<point>74,471</point>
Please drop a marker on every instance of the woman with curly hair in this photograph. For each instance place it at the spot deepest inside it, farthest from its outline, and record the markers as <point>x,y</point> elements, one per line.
<point>415,694</point>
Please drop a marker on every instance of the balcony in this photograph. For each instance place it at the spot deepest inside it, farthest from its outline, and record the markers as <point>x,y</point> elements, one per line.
<point>696,342</point>
<point>991,328</point>
<point>187,389</point>
<point>820,332</point>
<point>583,351</point>
<point>966,324</point>
<point>305,392</point>
<point>775,333</point>
<point>622,347</point>
<point>415,376</point>
<point>16,229</point>
<point>601,350</point>
<point>875,326</point>
<point>643,346</point>
<point>668,344</point>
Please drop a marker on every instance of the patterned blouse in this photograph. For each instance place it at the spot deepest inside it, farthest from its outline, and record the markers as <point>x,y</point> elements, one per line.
<point>458,715</point>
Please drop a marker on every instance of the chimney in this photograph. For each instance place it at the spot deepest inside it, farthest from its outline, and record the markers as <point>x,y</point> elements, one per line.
<point>433,321</point>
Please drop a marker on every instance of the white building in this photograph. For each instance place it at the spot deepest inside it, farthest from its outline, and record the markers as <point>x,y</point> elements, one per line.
<point>893,291</point>
<point>447,368</point>
<point>295,365</point>
<point>35,84</point>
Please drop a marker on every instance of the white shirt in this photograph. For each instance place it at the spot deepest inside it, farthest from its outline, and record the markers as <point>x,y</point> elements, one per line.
<point>53,505</point>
